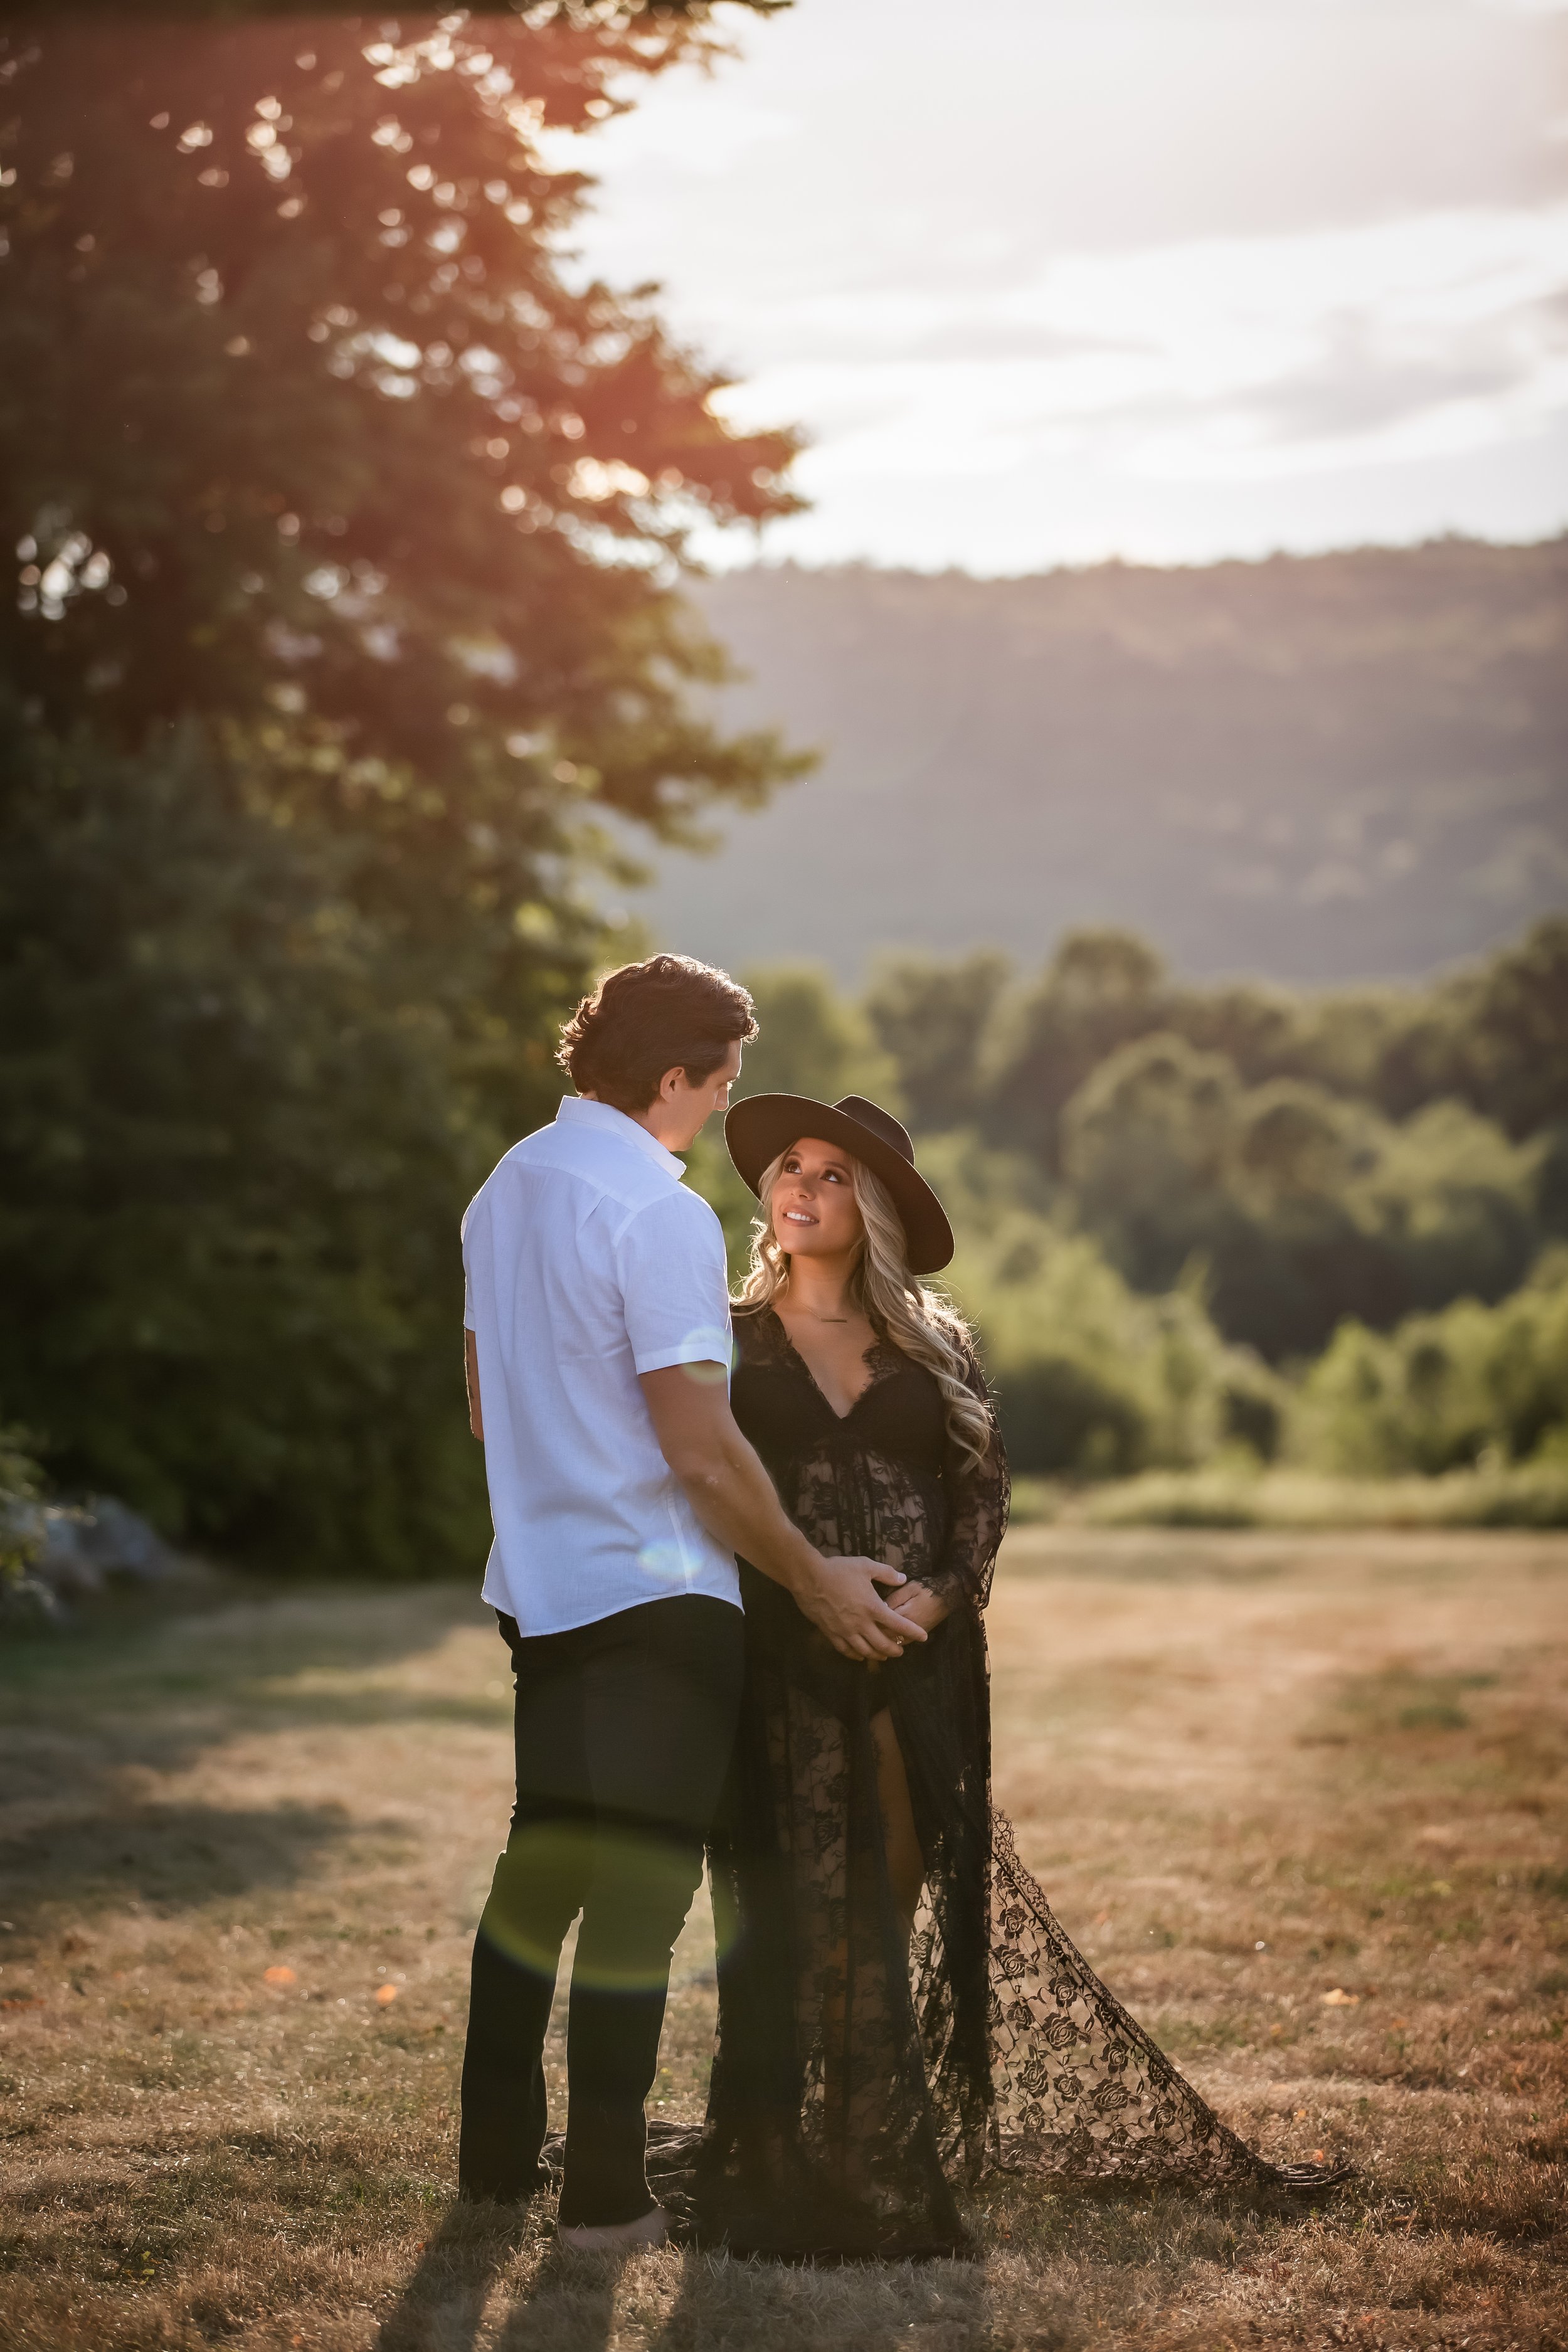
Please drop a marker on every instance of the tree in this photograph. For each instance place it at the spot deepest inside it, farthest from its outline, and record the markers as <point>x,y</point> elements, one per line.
<point>1443,1392</point>
<point>1146,1146</point>
<point>299,411</point>
<point>931,1018</point>
<point>1301,1209</point>
<point>812,1040</point>
<point>237,1128</point>
<point>1101,990</point>
<point>1512,1021</point>
<point>350,535</point>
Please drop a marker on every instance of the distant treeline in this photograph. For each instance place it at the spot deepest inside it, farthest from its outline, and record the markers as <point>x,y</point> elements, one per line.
<point>1170,1199</point>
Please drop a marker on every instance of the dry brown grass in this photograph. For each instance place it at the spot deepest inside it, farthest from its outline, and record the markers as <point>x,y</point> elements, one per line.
<point>1347,1752</point>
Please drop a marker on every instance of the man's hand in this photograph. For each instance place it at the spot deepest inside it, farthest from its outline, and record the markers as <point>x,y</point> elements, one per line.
<point>842,1600</point>
<point>733,1496</point>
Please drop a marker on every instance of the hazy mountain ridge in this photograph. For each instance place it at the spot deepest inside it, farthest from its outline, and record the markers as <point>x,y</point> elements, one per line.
<point>1312,767</point>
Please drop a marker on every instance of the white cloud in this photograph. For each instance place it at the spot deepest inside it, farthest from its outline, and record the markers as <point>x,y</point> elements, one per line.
<point>1130,277</point>
<point>1240,357</point>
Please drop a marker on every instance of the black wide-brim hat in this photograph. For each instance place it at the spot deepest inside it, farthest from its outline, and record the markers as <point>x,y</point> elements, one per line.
<point>758,1128</point>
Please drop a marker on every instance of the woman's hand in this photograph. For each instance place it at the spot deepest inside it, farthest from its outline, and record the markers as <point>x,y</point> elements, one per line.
<point>917,1601</point>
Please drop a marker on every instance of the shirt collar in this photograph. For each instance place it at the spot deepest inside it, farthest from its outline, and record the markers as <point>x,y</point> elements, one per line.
<point>574,1111</point>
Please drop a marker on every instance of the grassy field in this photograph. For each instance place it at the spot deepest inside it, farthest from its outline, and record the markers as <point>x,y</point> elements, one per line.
<point>1302,1798</point>
<point>1505,1495</point>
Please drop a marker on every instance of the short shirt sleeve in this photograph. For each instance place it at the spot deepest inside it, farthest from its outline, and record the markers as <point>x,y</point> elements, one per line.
<point>675,1286</point>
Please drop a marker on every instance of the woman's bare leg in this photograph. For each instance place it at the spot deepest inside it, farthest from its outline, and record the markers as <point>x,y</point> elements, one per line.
<point>906,1863</point>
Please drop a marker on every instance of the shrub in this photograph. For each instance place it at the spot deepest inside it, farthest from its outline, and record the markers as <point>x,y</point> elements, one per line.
<point>1445,1390</point>
<point>1093,1379</point>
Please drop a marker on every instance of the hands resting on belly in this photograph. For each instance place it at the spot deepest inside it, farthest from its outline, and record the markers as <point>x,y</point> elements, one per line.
<point>918,1603</point>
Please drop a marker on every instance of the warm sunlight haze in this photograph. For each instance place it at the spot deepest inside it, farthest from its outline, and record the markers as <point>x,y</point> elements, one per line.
<point>783,1176</point>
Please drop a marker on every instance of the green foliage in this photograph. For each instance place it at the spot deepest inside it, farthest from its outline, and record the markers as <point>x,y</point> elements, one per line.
<point>812,1042</point>
<point>348,533</point>
<point>1094,1379</point>
<point>1200,1209</point>
<point>931,1020</point>
<point>1251,1132</point>
<point>1145,1143</point>
<point>259,1051</point>
<point>1202,1180</point>
<point>297,410</point>
<point>1302,1207</point>
<point>1496,1037</point>
<point>1100,990</point>
<point>1470,1385</point>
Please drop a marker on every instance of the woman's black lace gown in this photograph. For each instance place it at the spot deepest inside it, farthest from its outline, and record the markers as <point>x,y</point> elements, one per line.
<point>860,2079</point>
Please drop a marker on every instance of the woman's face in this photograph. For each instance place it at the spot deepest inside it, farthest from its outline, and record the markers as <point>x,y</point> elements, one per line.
<point>814,1212</point>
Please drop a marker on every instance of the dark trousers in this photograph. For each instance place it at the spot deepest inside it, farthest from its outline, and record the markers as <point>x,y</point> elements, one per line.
<point>624,1734</point>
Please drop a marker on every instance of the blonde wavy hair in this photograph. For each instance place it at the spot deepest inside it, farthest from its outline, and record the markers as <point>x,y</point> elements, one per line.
<point>926,1327</point>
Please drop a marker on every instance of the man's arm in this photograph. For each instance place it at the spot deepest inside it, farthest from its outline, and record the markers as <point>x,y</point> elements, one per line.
<point>471,1377</point>
<point>733,1496</point>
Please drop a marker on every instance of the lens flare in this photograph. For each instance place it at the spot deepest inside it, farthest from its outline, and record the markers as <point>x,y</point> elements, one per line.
<point>548,1873</point>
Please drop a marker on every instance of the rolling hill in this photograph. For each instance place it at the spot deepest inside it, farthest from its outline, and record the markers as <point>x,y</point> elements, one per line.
<point>1312,768</point>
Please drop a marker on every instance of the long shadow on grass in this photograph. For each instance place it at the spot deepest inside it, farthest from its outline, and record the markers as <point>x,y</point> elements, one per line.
<point>441,2307</point>
<point>568,2306</point>
<point>167,1857</point>
<point>725,2304</point>
<point>83,1710</point>
<point>166,1674</point>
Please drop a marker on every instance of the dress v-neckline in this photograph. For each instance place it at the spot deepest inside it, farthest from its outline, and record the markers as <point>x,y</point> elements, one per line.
<point>861,1395</point>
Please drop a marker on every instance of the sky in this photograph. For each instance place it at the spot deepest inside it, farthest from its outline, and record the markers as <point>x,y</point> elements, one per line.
<point>1050,283</point>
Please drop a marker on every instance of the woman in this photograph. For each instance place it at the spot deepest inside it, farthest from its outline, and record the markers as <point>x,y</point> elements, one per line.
<point>898,2011</point>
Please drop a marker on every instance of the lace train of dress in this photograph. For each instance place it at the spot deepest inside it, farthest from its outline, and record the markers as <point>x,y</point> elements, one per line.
<point>864,2075</point>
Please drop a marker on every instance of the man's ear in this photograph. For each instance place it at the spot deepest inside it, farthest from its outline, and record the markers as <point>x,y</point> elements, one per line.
<point>672,1083</point>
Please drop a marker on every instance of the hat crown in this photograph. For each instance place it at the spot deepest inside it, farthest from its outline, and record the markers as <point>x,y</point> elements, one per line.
<point>882,1124</point>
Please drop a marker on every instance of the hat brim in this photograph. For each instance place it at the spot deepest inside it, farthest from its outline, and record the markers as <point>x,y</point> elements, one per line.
<point>758,1128</point>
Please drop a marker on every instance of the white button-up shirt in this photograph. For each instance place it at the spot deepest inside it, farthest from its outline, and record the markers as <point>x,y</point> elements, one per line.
<point>586,1261</point>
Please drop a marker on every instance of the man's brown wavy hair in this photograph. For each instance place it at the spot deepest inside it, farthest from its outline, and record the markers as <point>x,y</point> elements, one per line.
<point>668,1013</point>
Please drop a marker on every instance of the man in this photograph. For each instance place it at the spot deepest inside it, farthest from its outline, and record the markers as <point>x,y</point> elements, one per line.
<point>597,1349</point>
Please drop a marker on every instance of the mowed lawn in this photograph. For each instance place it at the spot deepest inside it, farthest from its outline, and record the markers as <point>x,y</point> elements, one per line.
<point>1303,1801</point>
